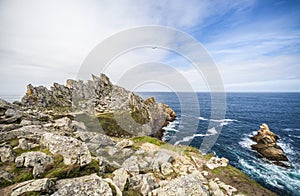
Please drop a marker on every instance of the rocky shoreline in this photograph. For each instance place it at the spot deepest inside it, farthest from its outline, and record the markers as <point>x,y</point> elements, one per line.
<point>79,139</point>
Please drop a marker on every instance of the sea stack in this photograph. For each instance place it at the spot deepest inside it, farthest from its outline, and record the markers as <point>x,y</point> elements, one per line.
<point>267,146</point>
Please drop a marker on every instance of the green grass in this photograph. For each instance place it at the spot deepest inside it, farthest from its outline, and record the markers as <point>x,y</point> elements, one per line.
<point>20,151</point>
<point>59,170</point>
<point>144,139</point>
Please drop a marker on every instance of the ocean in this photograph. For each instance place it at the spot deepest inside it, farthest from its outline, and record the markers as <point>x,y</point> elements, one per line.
<point>245,112</point>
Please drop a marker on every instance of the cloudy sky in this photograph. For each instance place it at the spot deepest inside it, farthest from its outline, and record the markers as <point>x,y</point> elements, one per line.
<point>254,44</point>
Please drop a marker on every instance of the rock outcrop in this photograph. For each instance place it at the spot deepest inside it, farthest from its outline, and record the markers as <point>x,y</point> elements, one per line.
<point>50,145</point>
<point>267,146</point>
<point>95,97</point>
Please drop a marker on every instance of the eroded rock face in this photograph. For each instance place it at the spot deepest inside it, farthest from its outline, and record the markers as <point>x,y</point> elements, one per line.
<point>267,146</point>
<point>73,150</point>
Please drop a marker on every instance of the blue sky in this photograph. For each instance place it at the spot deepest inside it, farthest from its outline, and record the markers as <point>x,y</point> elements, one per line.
<point>255,44</point>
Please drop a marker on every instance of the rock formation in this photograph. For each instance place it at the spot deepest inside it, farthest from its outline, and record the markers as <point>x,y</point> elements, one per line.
<point>48,146</point>
<point>267,146</point>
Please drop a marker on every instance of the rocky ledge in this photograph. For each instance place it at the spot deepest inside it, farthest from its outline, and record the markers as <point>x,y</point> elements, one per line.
<point>267,146</point>
<point>67,141</point>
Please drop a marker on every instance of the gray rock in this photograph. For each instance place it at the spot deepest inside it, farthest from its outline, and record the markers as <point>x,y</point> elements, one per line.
<point>6,153</point>
<point>8,127</point>
<point>37,160</point>
<point>73,150</point>
<point>184,185</point>
<point>125,143</point>
<point>78,126</point>
<point>85,185</point>
<point>28,143</point>
<point>40,185</point>
<point>10,113</point>
<point>120,178</point>
<point>63,123</point>
<point>143,183</point>
<point>131,165</point>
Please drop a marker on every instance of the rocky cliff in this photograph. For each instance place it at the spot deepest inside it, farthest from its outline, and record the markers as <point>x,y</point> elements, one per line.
<point>63,141</point>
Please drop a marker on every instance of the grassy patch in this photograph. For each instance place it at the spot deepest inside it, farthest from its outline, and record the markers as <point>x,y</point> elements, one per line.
<point>19,151</point>
<point>144,139</point>
<point>238,179</point>
<point>59,170</point>
<point>13,142</point>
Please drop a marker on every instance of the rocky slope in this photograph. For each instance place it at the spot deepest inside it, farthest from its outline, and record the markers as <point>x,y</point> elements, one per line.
<point>54,144</point>
<point>267,146</point>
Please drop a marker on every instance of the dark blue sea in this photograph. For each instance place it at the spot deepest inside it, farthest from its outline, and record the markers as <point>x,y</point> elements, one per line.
<point>245,112</point>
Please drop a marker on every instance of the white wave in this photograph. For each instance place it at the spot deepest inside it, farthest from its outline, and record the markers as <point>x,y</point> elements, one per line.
<point>295,136</point>
<point>286,147</point>
<point>210,132</point>
<point>246,142</point>
<point>222,122</point>
<point>288,129</point>
<point>202,118</point>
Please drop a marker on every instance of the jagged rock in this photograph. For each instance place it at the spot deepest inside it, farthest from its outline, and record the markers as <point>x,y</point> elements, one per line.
<point>6,153</point>
<point>85,185</point>
<point>40,185</point>
<point>73,150</point>
<point>215,162</point>
<point>131,165</point>
<point>34,130</point>
<point>100,95</point>
<point>10,113</point>
<point>184,185</point>
<point>120,178</point>
<point>37,160</point>
<point>267,147</point>
<point>124,144</point>
<point>143,183</point>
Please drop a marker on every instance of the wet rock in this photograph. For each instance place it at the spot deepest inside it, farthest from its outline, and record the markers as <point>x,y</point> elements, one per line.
<point>37,160</point>
<point>215,162</point>
<point>85,185</point>
<point>6,153</point>
<point>266,145</point>
<point>73,150</point>
<point>40,185</point>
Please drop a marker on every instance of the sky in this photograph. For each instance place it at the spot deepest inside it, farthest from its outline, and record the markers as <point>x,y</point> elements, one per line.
<point>254,44</point>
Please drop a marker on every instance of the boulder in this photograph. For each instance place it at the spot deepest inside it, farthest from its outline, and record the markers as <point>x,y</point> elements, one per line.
<point>120,178</point>
<point>37,160</point>
<point>72,150</point>
<point>125,143</point>
<point>85,185</point>
<point>215,162</point>
<point>267,146</point>
<point>40,185</point>
<point>131,165</point>
<point>184,185</point>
